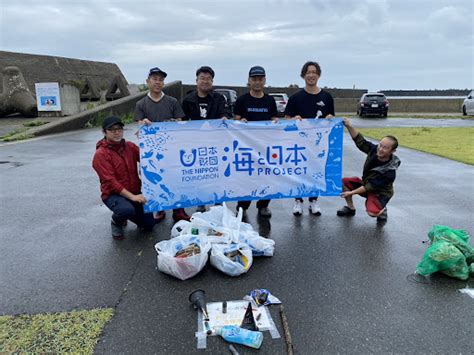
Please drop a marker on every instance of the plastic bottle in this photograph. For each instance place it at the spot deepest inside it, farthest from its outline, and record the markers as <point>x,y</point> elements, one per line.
<point>238,335</point>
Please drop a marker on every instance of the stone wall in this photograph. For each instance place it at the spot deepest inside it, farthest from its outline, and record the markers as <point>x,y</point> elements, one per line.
<point>44,68</point>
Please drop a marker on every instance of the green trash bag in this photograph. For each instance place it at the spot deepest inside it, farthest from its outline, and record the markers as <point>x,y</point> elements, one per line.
<point>444,257</point>
<point>457,237</point>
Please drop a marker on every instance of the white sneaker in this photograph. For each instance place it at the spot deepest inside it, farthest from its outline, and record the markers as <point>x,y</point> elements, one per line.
<point>314,208</point>
<point>298,208</point>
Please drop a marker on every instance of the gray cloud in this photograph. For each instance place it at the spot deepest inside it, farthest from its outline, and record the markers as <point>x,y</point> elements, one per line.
<point>367,43</point>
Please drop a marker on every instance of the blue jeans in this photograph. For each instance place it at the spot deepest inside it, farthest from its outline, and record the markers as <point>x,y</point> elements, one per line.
<point>124,210</point>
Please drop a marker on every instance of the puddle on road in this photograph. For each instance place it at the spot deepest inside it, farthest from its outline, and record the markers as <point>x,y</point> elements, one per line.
<point>15,164</point>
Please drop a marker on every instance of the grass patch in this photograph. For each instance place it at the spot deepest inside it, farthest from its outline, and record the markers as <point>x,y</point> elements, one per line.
<point>419,116</point>
<point>19,137</point>
<point>99,119</point>
<point>10,136</point>
<point>34,123</point>
<point>455,143</point>
<point>76,331</point>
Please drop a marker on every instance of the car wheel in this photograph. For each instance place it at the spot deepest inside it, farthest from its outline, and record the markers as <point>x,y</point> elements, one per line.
<point>360,113</point>
<point>384,115</point>
<point>464,111</point>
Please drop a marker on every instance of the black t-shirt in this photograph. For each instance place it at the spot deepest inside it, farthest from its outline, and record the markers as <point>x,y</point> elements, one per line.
<point>256,109</point>
<point>203,106</point>
<point>309,105</point>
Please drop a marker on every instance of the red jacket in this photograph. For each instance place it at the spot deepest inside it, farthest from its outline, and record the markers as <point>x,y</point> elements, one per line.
<point>116,165</point>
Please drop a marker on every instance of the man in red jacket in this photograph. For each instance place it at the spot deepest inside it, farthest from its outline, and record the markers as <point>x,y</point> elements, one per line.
<point>116,163</point>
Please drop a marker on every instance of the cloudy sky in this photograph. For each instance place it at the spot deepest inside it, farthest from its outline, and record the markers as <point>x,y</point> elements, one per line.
<point>369,44</point>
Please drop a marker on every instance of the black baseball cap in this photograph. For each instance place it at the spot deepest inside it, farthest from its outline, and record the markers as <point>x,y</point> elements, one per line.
<point>110,121</point>
<point>205,69</point>
<point>257,71</point>
<point>157,70</point>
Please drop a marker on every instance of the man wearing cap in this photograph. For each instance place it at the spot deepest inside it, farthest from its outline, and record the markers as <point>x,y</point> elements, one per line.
<point>158,107</point>
<point>310,102</point>
<point>256,105</point>
<point>116,162</point>
<point>204,103</point>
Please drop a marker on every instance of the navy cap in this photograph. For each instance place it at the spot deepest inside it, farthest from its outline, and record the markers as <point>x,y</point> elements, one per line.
<point>110,121</point>
<point>157,70</point>
<point>257,71</point>
<point>205,69</point>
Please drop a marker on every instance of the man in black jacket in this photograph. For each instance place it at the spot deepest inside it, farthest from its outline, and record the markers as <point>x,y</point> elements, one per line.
<point>378,176</point>
<point>204,103</point>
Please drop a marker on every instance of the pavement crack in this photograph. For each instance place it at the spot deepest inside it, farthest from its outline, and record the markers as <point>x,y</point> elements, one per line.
<point>132,276</point>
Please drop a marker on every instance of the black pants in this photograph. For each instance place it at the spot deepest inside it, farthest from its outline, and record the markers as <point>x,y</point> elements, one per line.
<point>246,204</point>
<point>124,210</point>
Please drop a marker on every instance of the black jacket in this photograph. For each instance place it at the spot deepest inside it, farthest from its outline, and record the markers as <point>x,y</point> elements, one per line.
<point>378,179</point>
<point>217,108</point>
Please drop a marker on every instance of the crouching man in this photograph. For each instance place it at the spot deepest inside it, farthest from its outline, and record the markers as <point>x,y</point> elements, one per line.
<point>116,163</point>
<point>378,176</point>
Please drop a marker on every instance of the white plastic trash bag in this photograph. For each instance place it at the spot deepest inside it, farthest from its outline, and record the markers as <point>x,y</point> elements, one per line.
<point>219,224</point>
<point>233,259</point>
<point>182,257</point>
<point>260,246</point>
<point>214,233</point>
<point>181,227</point>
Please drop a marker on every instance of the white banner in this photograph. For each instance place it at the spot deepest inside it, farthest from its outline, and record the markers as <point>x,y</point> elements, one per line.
<point>192,163</point>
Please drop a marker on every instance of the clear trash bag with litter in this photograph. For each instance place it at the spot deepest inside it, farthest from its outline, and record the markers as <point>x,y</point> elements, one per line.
<point>184,256</point>
<point>233,259</point>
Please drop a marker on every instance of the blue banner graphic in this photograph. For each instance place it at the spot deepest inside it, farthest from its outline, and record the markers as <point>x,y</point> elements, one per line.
<point>192,163</point>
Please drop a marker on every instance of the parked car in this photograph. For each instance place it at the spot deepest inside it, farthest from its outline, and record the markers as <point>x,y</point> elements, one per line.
<point>468,104</point>
<point>281,100</point>
<point>230,96</point>
<point>373,103</point>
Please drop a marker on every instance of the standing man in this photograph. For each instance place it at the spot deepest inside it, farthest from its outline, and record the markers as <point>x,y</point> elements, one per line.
<point>158,107</point>
<point>310,102</point>
<point>378,176</point>
<point>256,106</point>
<point>116,163</point>
<point>204,103</point>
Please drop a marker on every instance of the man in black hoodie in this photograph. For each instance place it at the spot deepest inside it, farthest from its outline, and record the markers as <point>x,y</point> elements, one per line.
<point>378,176</point>
<point>204,103</point>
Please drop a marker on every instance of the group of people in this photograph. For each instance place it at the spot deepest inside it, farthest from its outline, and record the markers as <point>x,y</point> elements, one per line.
<point>116,160</point>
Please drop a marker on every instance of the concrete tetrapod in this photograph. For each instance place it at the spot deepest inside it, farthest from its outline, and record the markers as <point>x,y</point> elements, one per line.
<point>16,96</point>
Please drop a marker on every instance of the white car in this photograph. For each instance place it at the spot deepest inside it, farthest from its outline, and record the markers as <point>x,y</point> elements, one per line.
<point>281,100</point>
<point>468,104</point>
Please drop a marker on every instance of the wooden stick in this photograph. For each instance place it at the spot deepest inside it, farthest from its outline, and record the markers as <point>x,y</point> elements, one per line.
<point>286,329</point>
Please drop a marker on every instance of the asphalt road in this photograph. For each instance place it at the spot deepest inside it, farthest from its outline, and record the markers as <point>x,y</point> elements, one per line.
<point>15,123</point>
<point>345,283</point>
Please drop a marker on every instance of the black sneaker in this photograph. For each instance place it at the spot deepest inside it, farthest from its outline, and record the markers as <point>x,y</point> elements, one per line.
<point>346,212</point>
<point>117,231</point>
<point>201,208</point>
<point>382,217</point>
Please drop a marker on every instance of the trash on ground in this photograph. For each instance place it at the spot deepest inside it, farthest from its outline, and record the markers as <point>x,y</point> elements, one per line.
<point>182,257</point>
<point>262,297</point>
<point>198,299</point>
<point>450,253</point>
<point>233,313</point>
<point>468,291</point>
<point>233,259</point>
<point>234,244</point>
<point>234,334</point>
<point>249,321</point>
